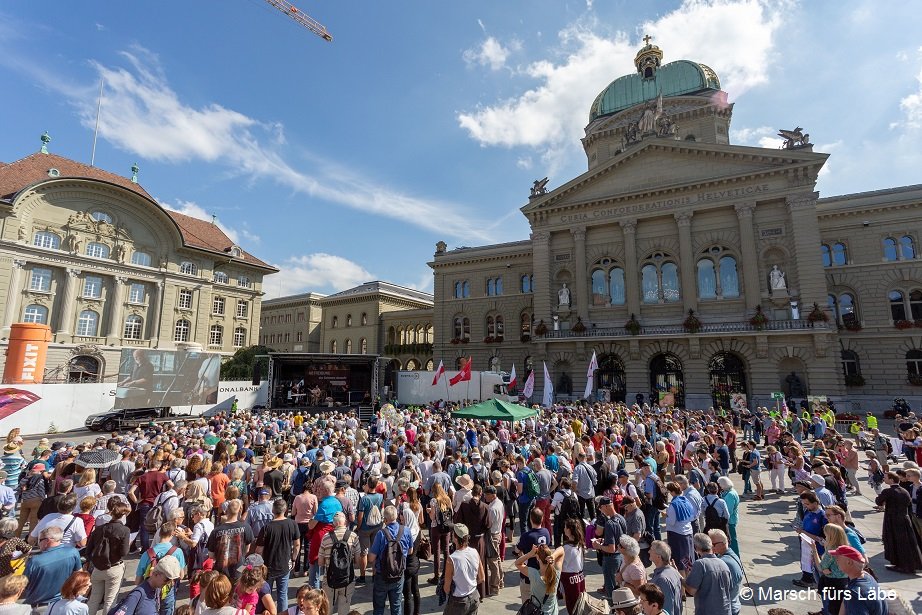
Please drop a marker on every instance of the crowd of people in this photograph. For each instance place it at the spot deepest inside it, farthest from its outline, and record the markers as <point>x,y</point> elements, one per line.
<point>216,516</point>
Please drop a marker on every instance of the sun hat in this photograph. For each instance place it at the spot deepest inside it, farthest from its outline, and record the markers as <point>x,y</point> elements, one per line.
<point>848,551</point>
<point>327,467</point>
<point>461,531</point>
<point>11,447</point>
<point>465,481</point>
<point>168,566</point>
<point>623,598</point>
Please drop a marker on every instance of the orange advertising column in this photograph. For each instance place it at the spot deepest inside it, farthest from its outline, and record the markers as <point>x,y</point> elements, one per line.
<point>25,355</point>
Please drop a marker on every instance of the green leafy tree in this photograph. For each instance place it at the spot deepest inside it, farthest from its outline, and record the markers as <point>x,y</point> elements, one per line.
<point>240,366</point>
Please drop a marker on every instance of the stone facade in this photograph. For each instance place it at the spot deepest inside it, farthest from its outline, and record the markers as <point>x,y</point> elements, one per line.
<point>691,268</point>
<point>292,323</point>
<point>92,255</point>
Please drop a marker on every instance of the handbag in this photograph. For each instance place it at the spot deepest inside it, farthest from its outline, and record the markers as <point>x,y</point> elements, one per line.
<point>423,548</point>
<point>587,605</point>
<point>532,606</point>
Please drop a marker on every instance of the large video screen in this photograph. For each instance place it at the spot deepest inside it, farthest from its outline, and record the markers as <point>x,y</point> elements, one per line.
<point>155,378</point>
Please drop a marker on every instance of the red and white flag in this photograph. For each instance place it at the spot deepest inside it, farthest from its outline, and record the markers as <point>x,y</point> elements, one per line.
<point>464,375</point>
<point>512,378</point>
<point>438,373</point>
<point>529,389</point>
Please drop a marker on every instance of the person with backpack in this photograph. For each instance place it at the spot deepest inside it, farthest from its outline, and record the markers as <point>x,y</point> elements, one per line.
<point>143,599</point>
<point>654,498</point>
<point>565,506</point>
<point>478,472</point>
<point>585,479</point>
<point>34,487</point>
<point>143,491</point>
<point>368,521</point>
<point>339,554</point>
<point>714,510</point>
<point>388,558</point>
<point>148,562</point>
<point>161,509</point>
<point>106,549</point>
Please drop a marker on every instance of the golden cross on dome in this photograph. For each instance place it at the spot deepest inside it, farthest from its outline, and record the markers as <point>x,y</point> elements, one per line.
<point>647,39</point>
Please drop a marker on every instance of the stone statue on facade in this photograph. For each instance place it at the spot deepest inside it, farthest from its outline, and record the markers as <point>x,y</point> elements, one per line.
<point>776,278</point>
<point>71,243</point>
<point>121,253</point>
<point>650,117</point>
<point>631,134</point>
<point>563,296</point>
<point>666,127</point>
<point>794,139</point>
<point>539,187</point>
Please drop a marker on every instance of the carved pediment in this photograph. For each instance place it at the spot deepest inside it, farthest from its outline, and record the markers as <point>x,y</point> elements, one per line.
<point>82,221</point>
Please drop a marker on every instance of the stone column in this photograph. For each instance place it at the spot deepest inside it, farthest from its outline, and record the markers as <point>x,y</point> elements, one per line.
<point>155,311</point>
<point>687,266</point>
<point>69,303</point>
<point>582,285</point>
<point>752,292</point>
<point>811,279</point>
<point>116,305</point>
<point>541,264</point>
<point>12,299</point>
<point>631,278</point>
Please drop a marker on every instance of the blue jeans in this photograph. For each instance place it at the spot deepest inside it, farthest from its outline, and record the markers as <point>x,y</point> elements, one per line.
<point>281,591</point>
<point>611,563</point>
<point>524,509</point>
<point>143,534</point>
<point>382,591</point>
<point>313,576</point>
<point>652,516</point>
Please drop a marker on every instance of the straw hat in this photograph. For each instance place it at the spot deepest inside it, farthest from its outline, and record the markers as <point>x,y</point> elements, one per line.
<point>464,481</point>
<point>273,463</point>
<point>11,447</point>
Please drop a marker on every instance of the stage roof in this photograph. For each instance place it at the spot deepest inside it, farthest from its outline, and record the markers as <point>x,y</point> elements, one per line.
<point>307,358</point>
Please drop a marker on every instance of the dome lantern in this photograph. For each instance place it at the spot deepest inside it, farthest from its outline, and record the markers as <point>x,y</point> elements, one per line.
<point>648,59</point>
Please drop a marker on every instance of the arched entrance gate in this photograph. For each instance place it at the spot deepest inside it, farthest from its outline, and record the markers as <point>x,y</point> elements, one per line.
<point>728,377</point>
<point>610,377</point>
<point>667,382</point>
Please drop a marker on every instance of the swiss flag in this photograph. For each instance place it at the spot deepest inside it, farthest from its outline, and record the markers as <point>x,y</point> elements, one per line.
<point>463,375</point>
<point>438,373</point>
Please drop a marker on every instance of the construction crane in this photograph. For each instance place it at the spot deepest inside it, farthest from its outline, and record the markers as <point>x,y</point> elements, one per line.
<point>302,18</point>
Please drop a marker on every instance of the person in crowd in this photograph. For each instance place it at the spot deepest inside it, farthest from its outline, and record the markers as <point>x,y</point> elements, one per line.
<point>632,573</point>
<point>440,519</point>
<point>543,580</point>
<point>386,588</point>
<point>368,521</point>
<point>679,517</point>
<point>732,499</point>
<point>229,542</point>
<point>339,596</point>
<point>863,596</point>
<point>652,600</point>
<point>475,515</point>
<point>11,589</point>
<point>218,597</point>
<point>572,571</point>
<point>667,577</point>
<point>494,540</point>
<point>157,552</point>
<point>74,531</point>
<point>464,571</point>
<point>50,568</point>
<point>279,543</point>
<point>732,560</point>
<point>708,580</point>
<point>106,549</point>
<point>902,547</point>
<point>607,542</point>
<point>33,490</point>
<point>73,595</point>
<point>144,489</point>
<point>831,579</point>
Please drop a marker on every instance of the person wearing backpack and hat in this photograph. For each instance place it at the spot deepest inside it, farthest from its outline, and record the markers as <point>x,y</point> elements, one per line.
<point>144,599</point>
<point>339,554</point>
<point>388,557</point>
<point>151,557</point>
<point>106,549</point>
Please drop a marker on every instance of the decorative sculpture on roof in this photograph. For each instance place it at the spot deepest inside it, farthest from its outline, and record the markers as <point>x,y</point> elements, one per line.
<point>539,187</point>
<point>650,116</point>
<point>665,127</point>
<point>794,139</point>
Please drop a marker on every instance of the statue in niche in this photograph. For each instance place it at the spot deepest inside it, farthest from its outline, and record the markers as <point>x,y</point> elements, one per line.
<point>121,253</point>
<point>776,277</point>
<point>564,385</point>
<point>71,243</point>
<point>563,296</point>
<point>795,385</point>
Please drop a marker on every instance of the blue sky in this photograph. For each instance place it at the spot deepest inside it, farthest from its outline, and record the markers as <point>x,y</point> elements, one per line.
<point>423,121</point>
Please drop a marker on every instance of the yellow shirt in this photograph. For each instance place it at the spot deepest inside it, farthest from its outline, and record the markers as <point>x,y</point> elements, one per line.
<point>577,427</point>
<point>872,421</point>
<point>298,420</point>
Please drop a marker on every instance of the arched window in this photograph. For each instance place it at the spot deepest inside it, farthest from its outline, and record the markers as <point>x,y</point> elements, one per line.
<point>457,290</point>
<point>140,258</point>
<point>827,255</point>
<point>915,304</point>
<point>215,335</point>
<point>660,279</point>
<point>244,282</point>
<point>348,346</point>
<point>240,337</point>
<point>499,286</point>
<point>850,365</point>
<point>844,308</point>
<point>707,279</point>
<point>46,239</point>
<point>897,305</point>
<point>364,319</point>
<point>462,328</point>
<point>35,313</point>
<point>40,280</point>
<point>334,322</point>
<point>188,268</point>
<point>133,326</point>
<point>491,287</point>
<point>890,253</point>
<point>219,277</point>
<point>88,323</point>
<point>526,283</point>
<point>667,379</point>
<point>181,331</point>
<point>363,346</point>
<point>101,216</point>
<point>616,286</point>
<point>599,287</point>
<point>97,250</point>
<point>430,365</point>
<point>333,346</point>
<point>525,323</point>
<point>420,335</point>
<point>914,364</point>
<point>466,289</point>
<point>907,248</point>
<point>729,277</point>
<point>495,327</point>
<point>348,320</point>
<point>839,254</point>
<point>412,365</point>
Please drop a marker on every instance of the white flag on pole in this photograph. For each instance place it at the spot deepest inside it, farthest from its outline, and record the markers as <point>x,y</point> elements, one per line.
<point>590,377</point>
<point>548,399</point>
<point>529,389</point>
<point>512,381</point>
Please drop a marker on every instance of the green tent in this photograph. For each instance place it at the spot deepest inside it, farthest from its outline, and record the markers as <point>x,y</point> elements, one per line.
<point>495,409</point>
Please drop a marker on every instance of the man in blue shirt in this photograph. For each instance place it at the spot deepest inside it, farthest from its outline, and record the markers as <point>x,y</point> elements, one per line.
<point>650,512</point>
<point>163,548</point>
<point>863,596</point>
<point>537,534</point>
<point>48,570</point>
<point>385,589</point>
<point>814,520</point>
<point>524,500</point>
<point>724,552</point>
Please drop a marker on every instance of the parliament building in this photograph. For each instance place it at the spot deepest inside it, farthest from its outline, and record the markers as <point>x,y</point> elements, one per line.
<point>697,270</point>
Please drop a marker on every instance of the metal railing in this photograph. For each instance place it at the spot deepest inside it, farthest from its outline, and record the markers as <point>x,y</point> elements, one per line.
<point>705,328</point>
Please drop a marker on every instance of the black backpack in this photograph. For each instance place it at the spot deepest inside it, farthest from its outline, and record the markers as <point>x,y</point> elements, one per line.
<point>659,496</point>
<point>712,518</point>
<point>340,572</point>
<point>569,508</point>
<point>394,562</point>
<point>443,520</point>
<point>480,478</point>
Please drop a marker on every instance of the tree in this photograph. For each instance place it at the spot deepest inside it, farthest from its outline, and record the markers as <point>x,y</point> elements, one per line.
<point>240,366</point>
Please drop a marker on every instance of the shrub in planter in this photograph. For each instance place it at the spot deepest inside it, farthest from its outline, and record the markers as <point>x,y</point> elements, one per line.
<point>903,324</point>
<point>525,338</point>
<point>540,328</point>
<point>759,319</point>
<point>632,326</point>
<point>579,327</point>
<point>817,314</point>
<point>854,380</point>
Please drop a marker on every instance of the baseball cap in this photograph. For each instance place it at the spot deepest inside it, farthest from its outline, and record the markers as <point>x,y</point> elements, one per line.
<point>252,561</point>
<point>687,460</point>
<point>39,467</point>
<point>168,566</point>
<point>847,551</point>
<point>461,531</point>
<point>604,500</point>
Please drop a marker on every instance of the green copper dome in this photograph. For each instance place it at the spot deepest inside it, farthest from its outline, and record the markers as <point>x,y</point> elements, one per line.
<point>673,79</point>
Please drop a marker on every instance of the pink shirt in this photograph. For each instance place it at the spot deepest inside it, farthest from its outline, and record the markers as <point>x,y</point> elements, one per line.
<point>304,506</point>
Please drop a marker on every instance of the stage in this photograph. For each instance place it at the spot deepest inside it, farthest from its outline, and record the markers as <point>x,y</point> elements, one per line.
<point>311,382</point>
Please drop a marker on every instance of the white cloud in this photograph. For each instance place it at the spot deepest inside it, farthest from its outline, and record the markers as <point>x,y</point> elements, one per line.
<point>763,136</point>
<point>737,36</point>
<point>142,114</point>
<point>490,53</point>
<point>911,106</point>
<point>318,272</point>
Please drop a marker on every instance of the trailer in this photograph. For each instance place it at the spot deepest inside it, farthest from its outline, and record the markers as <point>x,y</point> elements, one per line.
<point>415,387</point>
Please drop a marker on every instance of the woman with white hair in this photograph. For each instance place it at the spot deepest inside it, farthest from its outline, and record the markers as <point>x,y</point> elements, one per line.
<point>632,574</point>
<point>732,499</point>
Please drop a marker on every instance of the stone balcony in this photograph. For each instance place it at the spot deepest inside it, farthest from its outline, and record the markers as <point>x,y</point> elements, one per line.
<point>679,330</point>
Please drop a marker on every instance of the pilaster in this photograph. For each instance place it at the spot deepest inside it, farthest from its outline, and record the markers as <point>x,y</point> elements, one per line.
<point>541,265</point>
<point>751,282</point>
<point>15,292</point>
<point>116,307</point>
<point>687,259</point>
<point>631,277</point>
<point>69,303</point>
<point>582,285</point>
<point>811,279</point>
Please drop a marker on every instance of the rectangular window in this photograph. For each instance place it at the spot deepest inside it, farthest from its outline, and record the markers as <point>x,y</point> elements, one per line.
<point>243,308</point>
<point>136,293</point>
<point>185,299</point>
<point>217,306</point>
<point>40,280</point>
<point>92,287</point>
